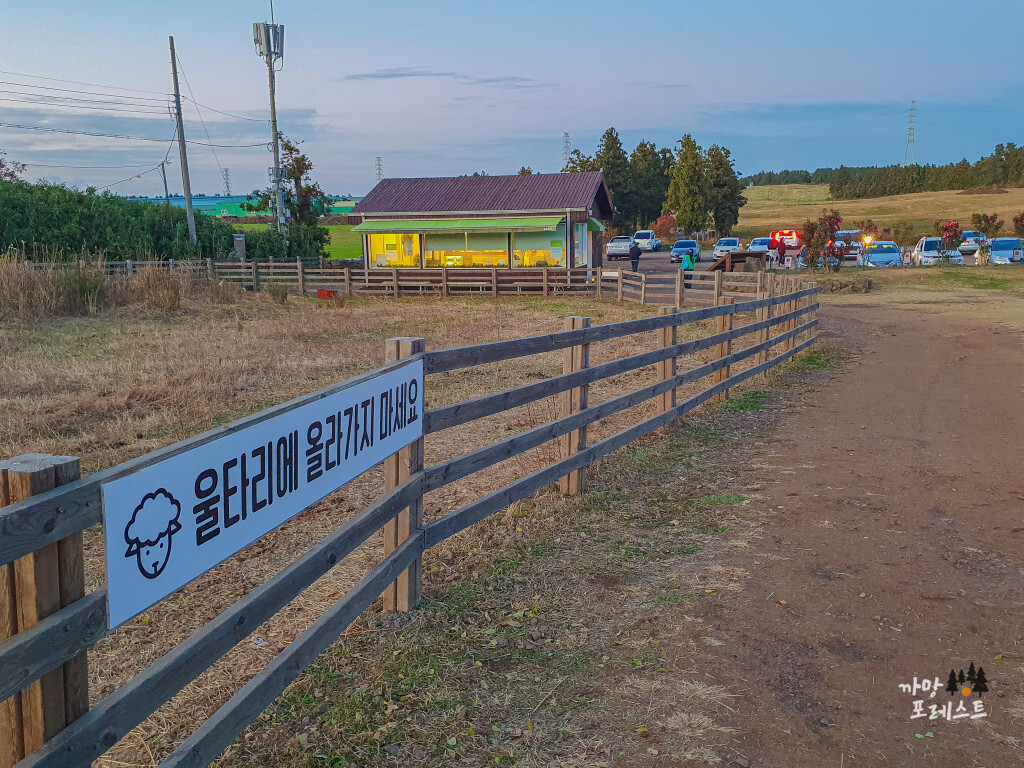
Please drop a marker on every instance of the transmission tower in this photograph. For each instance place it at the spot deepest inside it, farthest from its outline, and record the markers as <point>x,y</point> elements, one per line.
<point>227,181</point>
<point>910,157</point>
<point>565,150</point>
<point>380,169</point>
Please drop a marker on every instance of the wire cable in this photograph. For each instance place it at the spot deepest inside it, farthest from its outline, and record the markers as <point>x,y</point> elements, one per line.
<point>77,82</point>
<point>220,112</point>
<point>118,103</point>
<point>119,136</point>
<point>86,93</point>
<point>46,165</point>
<point>122,181</point>
<point>82,106</point>
<point>198,112</point>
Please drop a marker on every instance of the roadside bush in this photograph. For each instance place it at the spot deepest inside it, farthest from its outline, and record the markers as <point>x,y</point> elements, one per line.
<point>307,241</point>
<point>263,244</point>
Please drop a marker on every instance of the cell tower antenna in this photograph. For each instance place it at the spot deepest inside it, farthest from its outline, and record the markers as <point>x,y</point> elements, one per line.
<point>910,156</point>
<point>565,150</point>
<point>227,182</point>
<point>380,169</point>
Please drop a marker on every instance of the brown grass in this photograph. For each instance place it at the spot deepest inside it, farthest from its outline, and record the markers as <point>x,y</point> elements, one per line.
<point>789,205</point>
<point>110,387</point>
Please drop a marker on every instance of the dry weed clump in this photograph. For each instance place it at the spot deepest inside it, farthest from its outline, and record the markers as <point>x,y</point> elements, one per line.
<point>277,293</point>
<point>60,289</point>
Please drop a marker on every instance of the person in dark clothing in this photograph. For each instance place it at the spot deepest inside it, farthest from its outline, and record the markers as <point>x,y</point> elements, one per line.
<point>781,250</point>
<point>634,256</point>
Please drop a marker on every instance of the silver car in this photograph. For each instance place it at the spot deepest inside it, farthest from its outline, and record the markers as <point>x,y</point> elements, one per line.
<point>929,252</point>
<point>618,247</point>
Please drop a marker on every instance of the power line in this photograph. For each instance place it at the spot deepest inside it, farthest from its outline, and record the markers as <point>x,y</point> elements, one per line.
<point>82,106</point>
<point>198,112</point>
<point>46,165</point>
<point>118,103</point>
<point>75,82</point>
<point>119,136</point>
<point>86,93</point>
<point>220,112</point>
<point>122,181</point>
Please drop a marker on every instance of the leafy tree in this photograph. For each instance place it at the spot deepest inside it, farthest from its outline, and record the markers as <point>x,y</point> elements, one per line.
<point>726,192</point>
<point>1018,224</point>
<point>689,192</point>
<point>903,233</point>
<point>665,227</point>
<point>820,237</point>
<point>950,232</point>
<point>989,223</point>
<point>580,163</point>
<point>10,170</point>
<point>526,171</point>
<point>648,182</point>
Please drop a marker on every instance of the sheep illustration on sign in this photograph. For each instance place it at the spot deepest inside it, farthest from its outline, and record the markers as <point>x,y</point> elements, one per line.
<point>148,534</point>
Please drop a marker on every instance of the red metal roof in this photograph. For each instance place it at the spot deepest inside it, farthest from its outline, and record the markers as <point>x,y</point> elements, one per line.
<point>479,194</point>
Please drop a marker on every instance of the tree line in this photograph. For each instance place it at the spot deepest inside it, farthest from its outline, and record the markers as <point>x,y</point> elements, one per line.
<point>698,187</point>
<point>1004,167</point>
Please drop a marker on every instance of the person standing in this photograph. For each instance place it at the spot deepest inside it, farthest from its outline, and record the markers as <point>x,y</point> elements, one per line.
<point>781,250</point>
<point>634,256</point>
<point>687,261</point>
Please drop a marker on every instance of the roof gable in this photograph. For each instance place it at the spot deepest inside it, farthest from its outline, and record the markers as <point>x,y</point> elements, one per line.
<point>479,194</point>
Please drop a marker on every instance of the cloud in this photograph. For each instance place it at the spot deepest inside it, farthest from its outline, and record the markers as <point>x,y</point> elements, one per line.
<point>404,73</point>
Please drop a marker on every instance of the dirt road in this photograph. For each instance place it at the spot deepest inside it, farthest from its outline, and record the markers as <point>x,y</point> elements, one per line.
<point>896,549</point>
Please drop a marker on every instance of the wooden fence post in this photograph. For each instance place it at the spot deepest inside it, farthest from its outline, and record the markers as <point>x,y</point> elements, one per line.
<point>209,269</point>
<point>717,295</point>
<point>600,282</point>
<point>762,315</point>
<point>32,588</point>
<point>680,289</point>
<point>643,288</point>
<point>494,281</point>
<point>444,281</point>
<point>620,291</point>
<point>348,281</point>
<point>725,323</point>
<point>544,272</point>
<point>403,594</point>
<point>791,284</point>
<point>667,368</point>
<point>300,273</point>
<point>394,280</point>
<point>321,261</point>
<point>573,401</point>
<point>255,282</point>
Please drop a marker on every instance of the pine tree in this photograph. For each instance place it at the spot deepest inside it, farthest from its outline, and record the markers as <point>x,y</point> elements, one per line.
<point>688,190</point>
<point>726,196</point>
<point>980,682</point>
<point>971,674</point>
<point>951,684</point>
<point>961,679</point>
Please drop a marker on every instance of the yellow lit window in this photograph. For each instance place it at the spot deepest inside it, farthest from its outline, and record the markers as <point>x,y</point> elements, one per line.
<point>394,250</point>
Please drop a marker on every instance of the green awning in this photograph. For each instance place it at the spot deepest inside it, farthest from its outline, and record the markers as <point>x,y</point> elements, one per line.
<point>520,224</point>
<point>593,225</point>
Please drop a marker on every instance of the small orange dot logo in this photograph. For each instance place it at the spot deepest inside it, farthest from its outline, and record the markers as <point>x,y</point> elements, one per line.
<point>965,691</point>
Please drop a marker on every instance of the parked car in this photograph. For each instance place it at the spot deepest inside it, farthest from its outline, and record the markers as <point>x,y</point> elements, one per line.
<point>1005,250</point>
<point>647,241</point>
<point>929,252</point>
<point>679,249</point>
<point>883,253</point>
<point>618,247</point>
<point>852,250</point>
<point>760,245</point>
<point>790,236</point>
<point>726,245</point>
<point>971,241</point>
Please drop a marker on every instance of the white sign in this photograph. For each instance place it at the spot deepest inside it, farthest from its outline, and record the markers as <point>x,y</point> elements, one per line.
<point>170,522</point>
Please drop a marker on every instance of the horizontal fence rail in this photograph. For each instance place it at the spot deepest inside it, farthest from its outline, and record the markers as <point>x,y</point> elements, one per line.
<point>321,277</point>
<point>784,325</point>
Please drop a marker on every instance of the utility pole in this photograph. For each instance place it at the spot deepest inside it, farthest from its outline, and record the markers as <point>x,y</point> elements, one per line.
<point>163,174</point>
<point>269,40</point>
<point>380,169</point>
<point>189,214</point>
<point>910,156</point>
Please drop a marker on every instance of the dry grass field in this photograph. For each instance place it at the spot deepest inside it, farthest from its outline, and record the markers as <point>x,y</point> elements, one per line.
<point>770,208</point>
<point>125,381</point>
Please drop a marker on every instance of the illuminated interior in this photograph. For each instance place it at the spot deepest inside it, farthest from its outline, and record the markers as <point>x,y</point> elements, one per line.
<point>537,249</point>
<point>395,250</point>
<point>475,249</point>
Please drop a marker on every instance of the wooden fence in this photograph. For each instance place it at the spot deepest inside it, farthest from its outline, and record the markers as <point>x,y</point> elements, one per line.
<point>48,621</point>
<point>304,277</point>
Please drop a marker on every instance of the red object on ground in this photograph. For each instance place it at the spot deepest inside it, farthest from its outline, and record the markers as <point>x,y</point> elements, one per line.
<point>326,293</point>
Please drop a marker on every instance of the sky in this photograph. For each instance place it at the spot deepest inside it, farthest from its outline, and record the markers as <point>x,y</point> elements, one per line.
<point>453,87</point>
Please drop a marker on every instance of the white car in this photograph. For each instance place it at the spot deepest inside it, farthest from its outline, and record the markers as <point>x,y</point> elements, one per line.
<point>929,252</point>
<point>1005,250</point>
<point>971,241</point>
<point>647,241</point>
<point>726,245</point>
<point>618,247</point>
